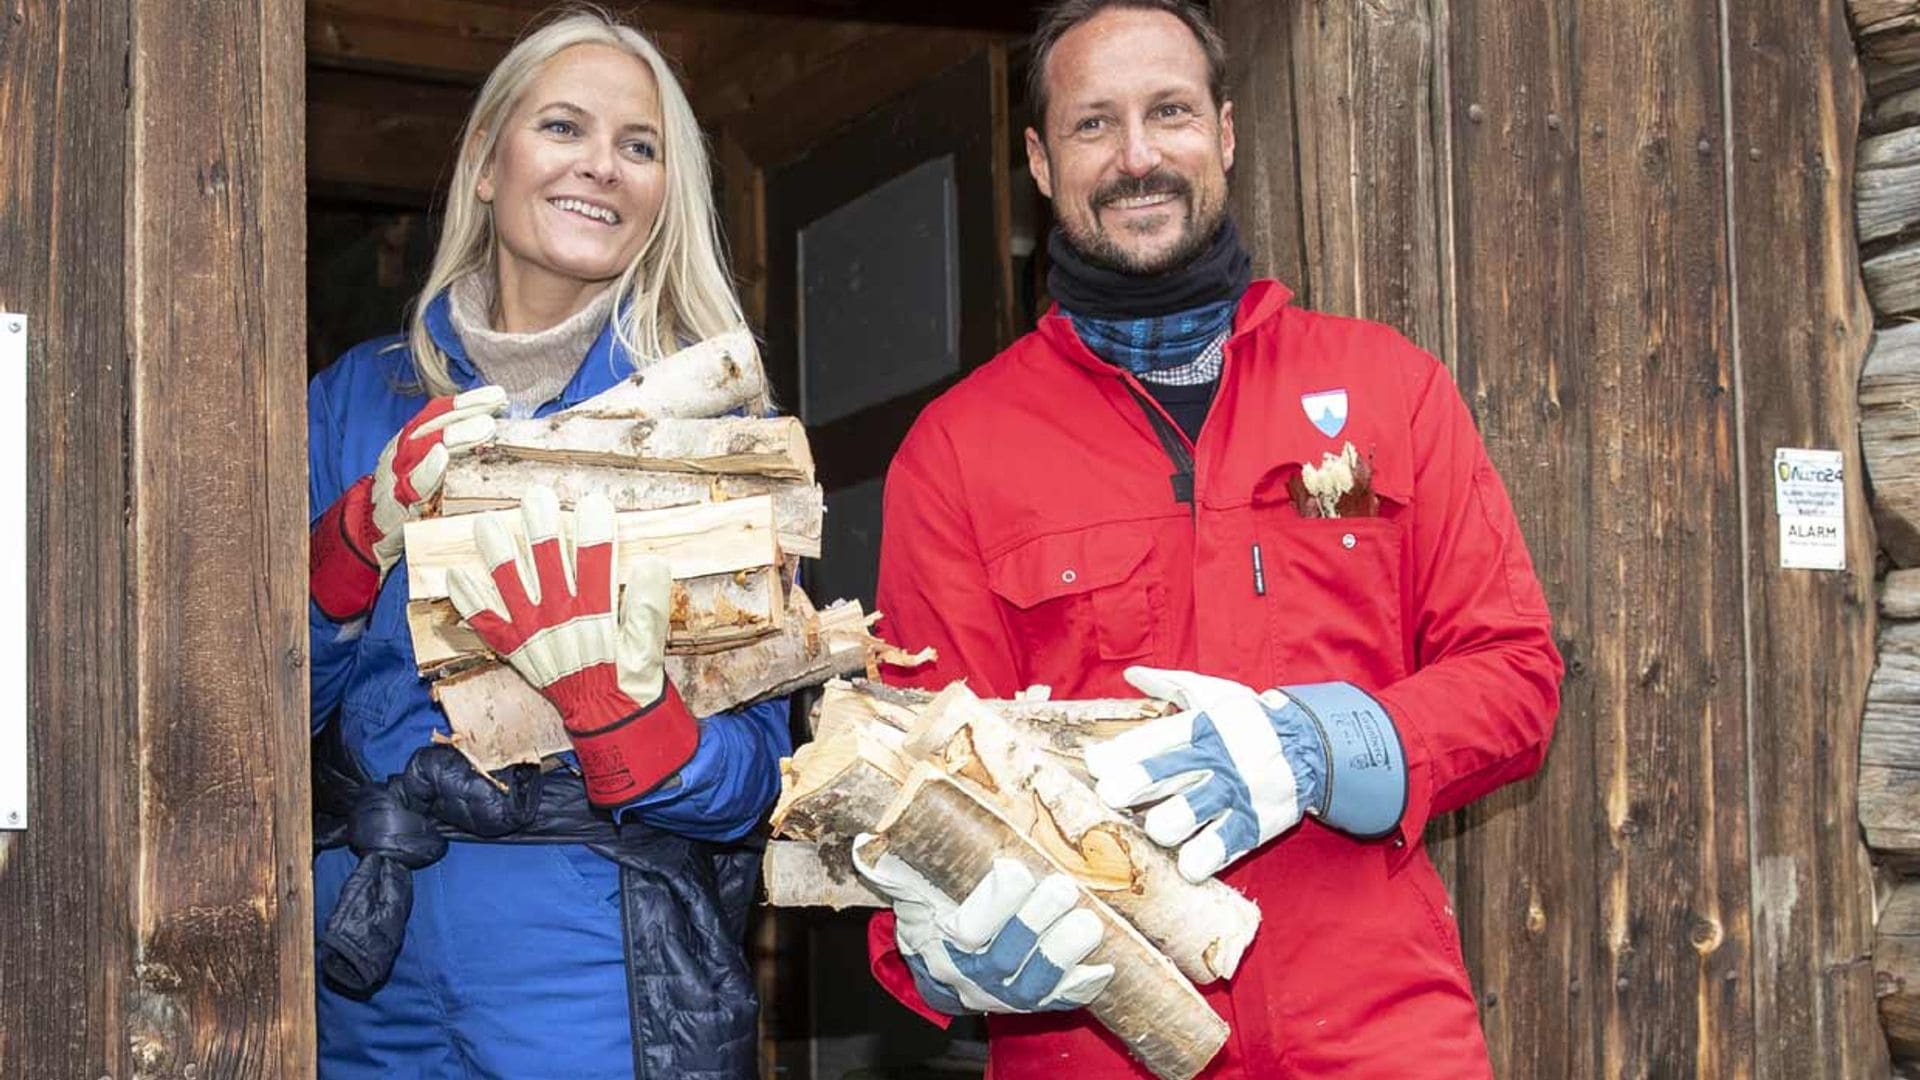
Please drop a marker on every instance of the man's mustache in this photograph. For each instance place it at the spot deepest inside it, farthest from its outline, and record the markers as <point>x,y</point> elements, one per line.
<point>1158,182</point>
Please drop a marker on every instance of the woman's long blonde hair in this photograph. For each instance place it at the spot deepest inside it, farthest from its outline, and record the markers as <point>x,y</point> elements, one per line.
<point>675,291</point>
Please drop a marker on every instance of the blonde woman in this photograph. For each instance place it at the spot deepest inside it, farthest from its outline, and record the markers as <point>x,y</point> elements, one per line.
<point>465,930</point>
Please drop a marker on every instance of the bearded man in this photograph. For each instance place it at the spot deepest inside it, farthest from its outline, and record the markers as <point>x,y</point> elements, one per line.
<point>1282,521</point>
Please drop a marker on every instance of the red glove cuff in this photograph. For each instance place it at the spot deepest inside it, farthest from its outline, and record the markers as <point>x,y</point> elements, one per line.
<point>342,574</point>
<point>633,755</point>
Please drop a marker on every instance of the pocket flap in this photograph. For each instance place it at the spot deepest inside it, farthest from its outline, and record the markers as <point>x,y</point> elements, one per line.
<point>1063,564</point>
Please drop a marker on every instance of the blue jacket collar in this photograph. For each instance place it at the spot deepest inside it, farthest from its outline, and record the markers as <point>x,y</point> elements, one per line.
<point>605,365</point>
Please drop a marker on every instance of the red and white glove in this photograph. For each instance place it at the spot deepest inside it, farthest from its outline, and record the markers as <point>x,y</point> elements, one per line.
<point>357,541</point>
<point>549,610</point>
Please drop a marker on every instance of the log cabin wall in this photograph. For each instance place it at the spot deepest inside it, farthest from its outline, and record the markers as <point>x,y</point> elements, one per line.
<point>1887,200</point>
<point>1627,228</point>
<point>157,915</point>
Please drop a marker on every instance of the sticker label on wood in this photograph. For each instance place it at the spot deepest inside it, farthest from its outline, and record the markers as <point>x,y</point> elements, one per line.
<point>13,579</point>
<point>1810,497</point>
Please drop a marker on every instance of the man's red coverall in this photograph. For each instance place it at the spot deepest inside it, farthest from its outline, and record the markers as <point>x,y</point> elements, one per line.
<point>1032,536</point>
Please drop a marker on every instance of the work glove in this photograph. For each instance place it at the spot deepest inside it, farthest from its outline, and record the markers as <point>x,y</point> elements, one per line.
<point>1236,768</point>
<point>1013,945</point>
<point>549,610</point>
<point>357,541</point>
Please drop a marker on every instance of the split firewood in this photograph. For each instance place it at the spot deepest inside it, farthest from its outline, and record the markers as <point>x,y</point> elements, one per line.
<point>710,378</point>
<point>1203,928</point>
<point>1064,729</point>
<point>946,831</point>
<point>718,611</point>
<point>811,648</point>
<point>775,447</point>
<point>486,481</point>
<point>504,721</point>
<point>799,874</point>
<point>834,789</point>
<point>697,541</point>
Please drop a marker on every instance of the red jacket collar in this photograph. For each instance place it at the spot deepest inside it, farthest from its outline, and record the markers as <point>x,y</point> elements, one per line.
<point>1263,300</point>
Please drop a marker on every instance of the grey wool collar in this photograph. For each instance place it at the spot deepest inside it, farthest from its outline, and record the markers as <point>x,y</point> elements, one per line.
<point>531,368</point>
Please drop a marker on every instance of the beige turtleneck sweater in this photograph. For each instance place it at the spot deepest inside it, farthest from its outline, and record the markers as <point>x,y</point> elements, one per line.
<point>531,368</point>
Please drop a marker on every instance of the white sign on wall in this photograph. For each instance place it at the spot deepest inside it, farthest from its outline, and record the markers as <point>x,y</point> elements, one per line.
<point>13,570</point>
<point>1810,497</point>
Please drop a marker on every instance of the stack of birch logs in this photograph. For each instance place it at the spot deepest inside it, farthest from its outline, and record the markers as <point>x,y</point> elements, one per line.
<point>949,782</point>
<point>1887,219</point>
<point>728,501</point>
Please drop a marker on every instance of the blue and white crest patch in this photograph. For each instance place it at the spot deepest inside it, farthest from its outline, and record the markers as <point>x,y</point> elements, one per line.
<point>1327,409</point>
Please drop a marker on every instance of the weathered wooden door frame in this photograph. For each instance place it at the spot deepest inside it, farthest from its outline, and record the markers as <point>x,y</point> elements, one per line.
<point>152,228</point>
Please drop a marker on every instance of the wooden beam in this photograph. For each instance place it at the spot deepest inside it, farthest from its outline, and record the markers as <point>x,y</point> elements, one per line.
<point>380,137</point>
<point>1006,17</point>
<point>460,40</point>
<point>1801,327</point>
<point>216,205</point>
<point>841,87</point>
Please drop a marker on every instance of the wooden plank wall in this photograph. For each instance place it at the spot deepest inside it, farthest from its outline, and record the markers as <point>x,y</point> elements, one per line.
<point>61,239</point>
<point>1641,296</point>
<point>159,916</point>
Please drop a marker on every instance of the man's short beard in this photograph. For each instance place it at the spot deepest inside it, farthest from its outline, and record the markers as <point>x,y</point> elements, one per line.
<point>1101,250</point>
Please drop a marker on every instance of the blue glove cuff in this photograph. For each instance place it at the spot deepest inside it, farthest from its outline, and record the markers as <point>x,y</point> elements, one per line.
<point>1363,791</point>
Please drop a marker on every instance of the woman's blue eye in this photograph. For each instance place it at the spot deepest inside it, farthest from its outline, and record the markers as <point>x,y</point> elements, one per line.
<point>559,127</point>
<point>645,151</point>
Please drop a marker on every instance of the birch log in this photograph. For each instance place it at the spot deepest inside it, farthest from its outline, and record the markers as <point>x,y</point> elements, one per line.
<point>800,874</point>
<point>834,789</point>
<point>1203,928</point>
<point>948,834</point>
<point>500,720</point>
<point>774,447</point>
<point>706,614</point>
<point>710,378</point>
<point>1063,729</point>
<point>697,541</point>
<point>1004,749</point>
<point>487,481</point>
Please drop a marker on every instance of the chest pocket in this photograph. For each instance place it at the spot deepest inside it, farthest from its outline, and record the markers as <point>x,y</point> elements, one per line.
<point>1335,591</point>
<point>1079,598</point>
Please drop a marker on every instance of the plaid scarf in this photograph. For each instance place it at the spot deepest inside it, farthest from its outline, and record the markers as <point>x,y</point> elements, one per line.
<point>1151,322</point>
<point>1157,342</point>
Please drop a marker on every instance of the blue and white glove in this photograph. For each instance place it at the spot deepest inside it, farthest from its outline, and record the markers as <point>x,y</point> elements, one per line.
<point>1012,946</point>
<point>1235,769</point>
